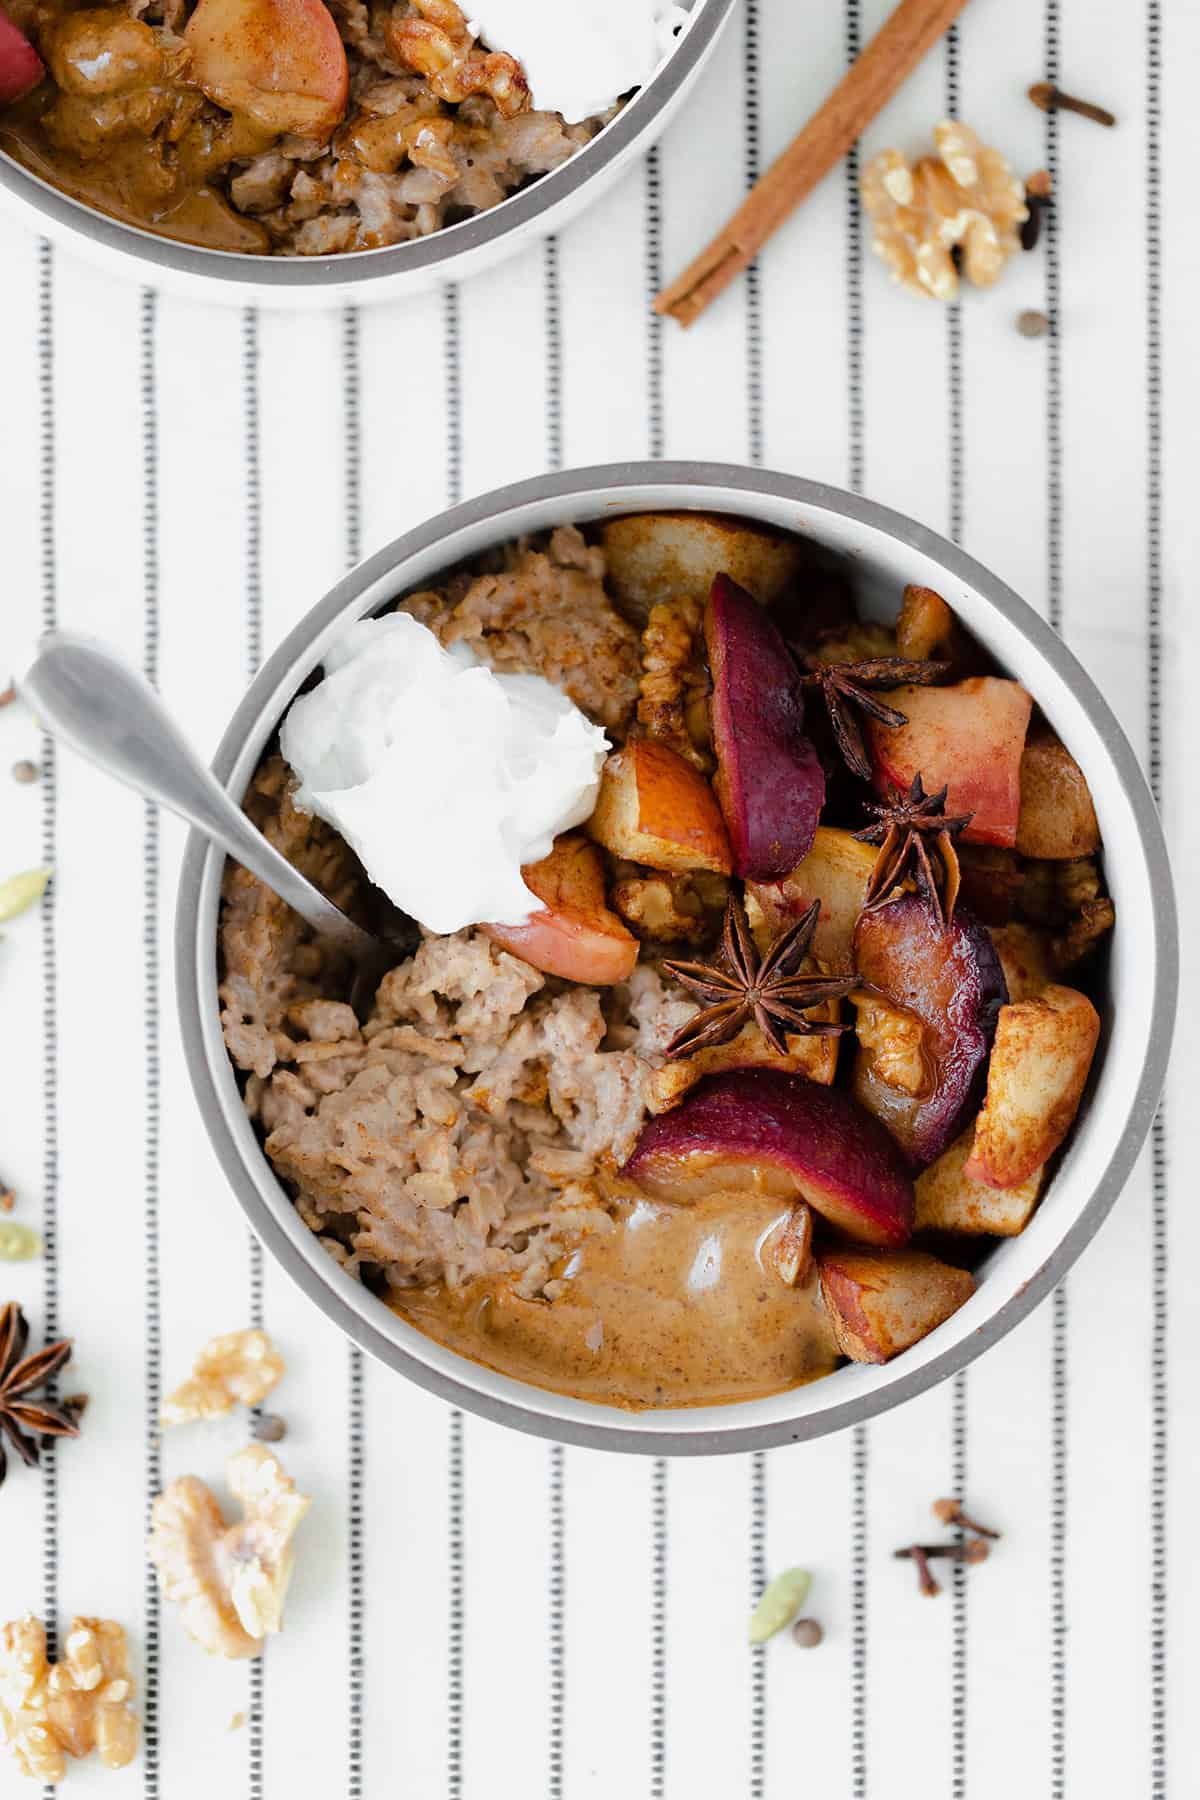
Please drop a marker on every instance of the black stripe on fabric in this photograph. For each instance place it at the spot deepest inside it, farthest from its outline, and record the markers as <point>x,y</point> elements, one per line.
<point>754,441</point>
<point>1050,216</point>
<point>958,1395</point>
<point>556,1617</point>
<point>151,1016</point>
<point>658,1631</point>
<point>356,1396</point>
<point>655,417</point>
<point>1159,1454</point>
<point>659,1547</point>
<point>556,1462</point>
<point>754,334</point>
<point>1058,1544</point>
<point>856,459</point>
<point>252,613</point>
<point>252,478</point>
<point>47,521</point>
<point>456,1470</point>
<point>758,1655</point>
<point>1059,1313</point>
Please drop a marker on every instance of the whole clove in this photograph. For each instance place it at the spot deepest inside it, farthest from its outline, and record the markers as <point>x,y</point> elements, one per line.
<point>950,1512</point>
<point>1053,99</point>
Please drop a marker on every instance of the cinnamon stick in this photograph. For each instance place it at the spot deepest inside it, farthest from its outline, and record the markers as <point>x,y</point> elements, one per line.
<point>891,56</point>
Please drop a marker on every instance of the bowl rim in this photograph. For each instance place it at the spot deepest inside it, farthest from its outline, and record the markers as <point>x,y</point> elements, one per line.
<point>205,1053</point>
<point>433,255</point>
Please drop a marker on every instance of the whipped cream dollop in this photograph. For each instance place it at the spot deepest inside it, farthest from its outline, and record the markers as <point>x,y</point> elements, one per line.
<point>442,775</point>
<point>580,56</point>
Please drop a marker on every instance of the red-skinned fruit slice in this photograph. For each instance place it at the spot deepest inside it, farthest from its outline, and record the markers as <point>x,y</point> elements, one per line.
<point>968,738</point>
<point>762,1131</point>
<point>950,979</point>
<point>21,67</point>
<point>769,779</point>
<point>573,934</point>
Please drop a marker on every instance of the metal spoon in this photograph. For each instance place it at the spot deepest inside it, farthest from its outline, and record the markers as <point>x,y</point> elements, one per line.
<point>84,694</point>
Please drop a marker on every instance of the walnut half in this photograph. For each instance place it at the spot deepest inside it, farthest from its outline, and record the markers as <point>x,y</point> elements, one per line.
<point>964,199</point>
<point>50,1711</point>
<point>239,1365</point>
<point>229,1581</point>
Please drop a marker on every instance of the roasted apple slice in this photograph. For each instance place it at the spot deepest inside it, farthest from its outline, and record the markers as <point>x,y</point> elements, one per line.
<point>836,872</point>
<point>883,1301</point>
<point>1040,1061</point>
<point>1057,820</point>
<point>768,781</point>
<point>655,808</point>
<point>664,556</point>
<point>968,738</point>
<point>21,67</point>
<point>949,979</point>
<point>948,1199</point>
<point>575,936</point>
<point>760,1131</point>
<point>814,1057</point>
<point>281,62</point>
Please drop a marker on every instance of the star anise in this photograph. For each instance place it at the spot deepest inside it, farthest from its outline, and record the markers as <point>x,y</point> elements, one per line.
<point>915,838</point>
<point>24,1420</point>
<point>849,685</point>
<point>747,985</point>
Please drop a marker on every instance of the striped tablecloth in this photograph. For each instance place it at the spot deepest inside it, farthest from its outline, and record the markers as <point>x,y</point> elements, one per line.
<point>475,1614</point>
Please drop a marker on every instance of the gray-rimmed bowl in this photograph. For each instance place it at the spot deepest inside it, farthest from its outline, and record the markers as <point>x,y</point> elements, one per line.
<point>887,551</point>
<point>359,276</point>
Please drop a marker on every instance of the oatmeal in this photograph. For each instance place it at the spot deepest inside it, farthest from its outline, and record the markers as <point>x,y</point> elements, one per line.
<point>281,127</point>
<point>749,1003</point>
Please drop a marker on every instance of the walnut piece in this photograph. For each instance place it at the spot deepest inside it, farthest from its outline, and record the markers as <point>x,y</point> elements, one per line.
<point>229,1581</point>
<point>50,1711</point>
<point>674,688</point>
<point>964,197</point>
<point>240,1365</point>
<point>892,1040</point>
<point>436,40</point>
<point>685,907</point>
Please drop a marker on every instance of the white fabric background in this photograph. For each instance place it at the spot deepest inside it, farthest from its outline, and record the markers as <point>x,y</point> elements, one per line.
<point>476,1614</point>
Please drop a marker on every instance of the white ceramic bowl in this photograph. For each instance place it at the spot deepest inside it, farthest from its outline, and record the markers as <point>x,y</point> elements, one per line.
<point>887,551</point>
<point>360,276</point>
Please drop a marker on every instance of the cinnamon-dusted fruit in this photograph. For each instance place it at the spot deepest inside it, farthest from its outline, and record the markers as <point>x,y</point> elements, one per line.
<point>78,1705</point>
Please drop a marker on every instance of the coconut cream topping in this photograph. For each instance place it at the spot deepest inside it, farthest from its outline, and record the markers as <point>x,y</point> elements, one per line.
<point>580,56</point>
<point>444,777</point>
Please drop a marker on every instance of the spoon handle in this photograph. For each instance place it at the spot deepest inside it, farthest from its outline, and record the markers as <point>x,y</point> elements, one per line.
<point>84,694</point>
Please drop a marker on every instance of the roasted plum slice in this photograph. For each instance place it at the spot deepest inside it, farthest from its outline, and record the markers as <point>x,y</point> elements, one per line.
<point>761,1131</point>
<point>969,738</point>
<point>949,979</point>
<point>769,780</point>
